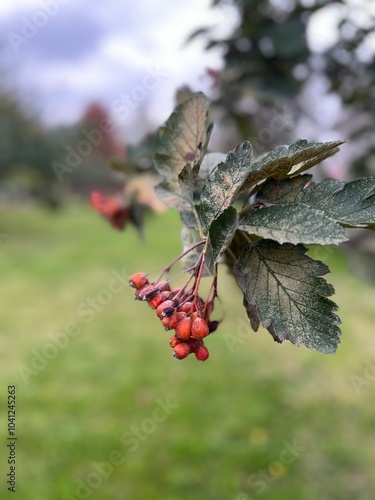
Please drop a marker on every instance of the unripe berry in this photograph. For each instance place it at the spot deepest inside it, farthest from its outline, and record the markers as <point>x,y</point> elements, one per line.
<point>201,353</point>
<point>138,280</point>
<point>183,329</point>
<point>171,322</point>
<point>162,306</point>
<point>156,300</point>
<point>199,328</point>
<point>181,351</point>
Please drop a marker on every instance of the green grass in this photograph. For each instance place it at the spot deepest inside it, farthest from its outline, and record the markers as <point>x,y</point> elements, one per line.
<point>233,414</point>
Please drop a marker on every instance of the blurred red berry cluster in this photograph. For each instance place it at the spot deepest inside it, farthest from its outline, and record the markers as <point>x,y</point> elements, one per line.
<point>181,310</point>
<point>111,209</point>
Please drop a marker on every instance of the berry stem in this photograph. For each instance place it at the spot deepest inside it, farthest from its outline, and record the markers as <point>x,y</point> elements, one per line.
<point>200,262</point>
<point>181,256</point>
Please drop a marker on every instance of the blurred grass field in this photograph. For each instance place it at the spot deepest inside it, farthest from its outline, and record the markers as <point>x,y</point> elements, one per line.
<point>234,419</point>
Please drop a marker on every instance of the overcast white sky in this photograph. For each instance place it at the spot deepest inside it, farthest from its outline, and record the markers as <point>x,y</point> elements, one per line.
<point>61,55</point>
<point>61,58</point>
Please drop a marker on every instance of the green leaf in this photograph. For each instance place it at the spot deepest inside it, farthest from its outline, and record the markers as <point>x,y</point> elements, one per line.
<point>224,184</point>
<point>351,204</point>
<point>183,136</point>
<point>284,291</point>
<point>221,232</point>
<point>295,223</point>
<point>284,161</point>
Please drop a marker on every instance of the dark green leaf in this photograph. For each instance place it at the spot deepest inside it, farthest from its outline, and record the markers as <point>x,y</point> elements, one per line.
<point>286,293</point>
<point>289,160</point>
<point>295,223</point>
<point>221,232</point>
<point>224,184</point>
<point>351,204</point>
<point>282,191</point>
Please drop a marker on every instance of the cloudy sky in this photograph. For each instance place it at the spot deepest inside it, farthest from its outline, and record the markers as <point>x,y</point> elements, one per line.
<point>61,55</point>
<point>130,55</point>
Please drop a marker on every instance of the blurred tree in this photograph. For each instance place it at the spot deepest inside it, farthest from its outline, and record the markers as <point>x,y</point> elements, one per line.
<point>267,85</point>
<point>25,154</point>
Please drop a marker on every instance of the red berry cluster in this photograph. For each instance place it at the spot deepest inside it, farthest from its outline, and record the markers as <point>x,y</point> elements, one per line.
<point>181,310</point>
<point>111,209</point>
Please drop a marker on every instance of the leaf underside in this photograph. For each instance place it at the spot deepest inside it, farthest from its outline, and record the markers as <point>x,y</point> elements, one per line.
<point>183,139</point>
<point>283,289</point>
<point>284,161</point>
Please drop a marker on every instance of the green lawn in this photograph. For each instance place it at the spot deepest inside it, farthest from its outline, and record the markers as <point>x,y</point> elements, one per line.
<point>257,420</point>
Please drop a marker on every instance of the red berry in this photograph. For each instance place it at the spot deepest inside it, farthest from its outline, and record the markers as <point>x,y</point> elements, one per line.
<point>173,341</point>
<point>164,287</point>
<point>181,351</point>
<point>162,306</point>
<point>138,280</point>
<point>183,329</point>
<point>201,353</point>
<point>187,307</point>
<point>156,300</point>
<point>194,315</point>
<point>181,315</point>
<point>199,328</point>
<point>146,292</point>
<point>171,322</point>
<point>166,295</point>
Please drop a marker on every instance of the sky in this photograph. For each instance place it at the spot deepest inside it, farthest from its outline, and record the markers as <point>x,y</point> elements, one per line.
<point>129,55</point>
